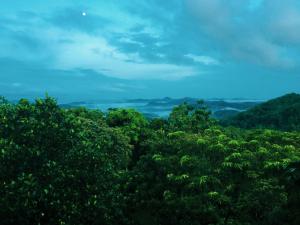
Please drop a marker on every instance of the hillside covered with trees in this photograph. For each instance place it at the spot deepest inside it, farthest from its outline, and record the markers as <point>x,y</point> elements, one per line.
<point>80,166</point>
<point>281,113</point>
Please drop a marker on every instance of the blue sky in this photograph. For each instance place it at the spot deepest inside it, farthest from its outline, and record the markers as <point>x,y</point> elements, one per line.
<point>84,49</point>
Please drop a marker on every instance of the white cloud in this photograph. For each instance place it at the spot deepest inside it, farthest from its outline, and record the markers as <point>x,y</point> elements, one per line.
<point>91,51</point>
<point>203,59</point>
<point>130,41</point>
<point>96,53</point>
<point>266,35</point>
<point>16,85</point>
<point>261,51</point>
<point>284,25</point>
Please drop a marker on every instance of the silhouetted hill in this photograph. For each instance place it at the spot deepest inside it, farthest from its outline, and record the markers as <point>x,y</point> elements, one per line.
<point>280,113</point>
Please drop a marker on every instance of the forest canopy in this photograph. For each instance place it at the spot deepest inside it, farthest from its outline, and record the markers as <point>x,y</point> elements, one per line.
<point>81,166</point>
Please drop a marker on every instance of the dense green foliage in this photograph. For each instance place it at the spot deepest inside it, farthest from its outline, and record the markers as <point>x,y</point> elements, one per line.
<point>281,113</point>
<point>79,166</point>
<point>59,167</point>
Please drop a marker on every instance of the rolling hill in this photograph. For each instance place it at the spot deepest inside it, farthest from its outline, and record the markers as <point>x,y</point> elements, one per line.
<point>281,113</point>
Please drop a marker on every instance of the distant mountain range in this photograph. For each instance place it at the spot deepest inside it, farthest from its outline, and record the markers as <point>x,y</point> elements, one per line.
<point>280,113</point>
<point>152,108</point>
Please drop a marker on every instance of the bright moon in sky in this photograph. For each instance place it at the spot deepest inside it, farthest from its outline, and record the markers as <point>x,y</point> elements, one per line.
<point>83,13</point>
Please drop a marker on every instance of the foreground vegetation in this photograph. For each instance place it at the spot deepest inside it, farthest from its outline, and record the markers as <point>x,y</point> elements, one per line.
<point>79,166</point>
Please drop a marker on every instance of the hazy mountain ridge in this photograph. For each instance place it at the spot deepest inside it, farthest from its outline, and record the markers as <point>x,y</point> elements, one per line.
<point>161,107</point>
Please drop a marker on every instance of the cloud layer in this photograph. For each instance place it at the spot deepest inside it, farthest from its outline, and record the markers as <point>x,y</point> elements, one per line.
<point>189,42</point>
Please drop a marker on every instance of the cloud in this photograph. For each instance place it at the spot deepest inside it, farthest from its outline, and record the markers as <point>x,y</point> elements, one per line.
<point>262,32</point>
<point>284,24</point>
<point>19,79</point>
<point>262,52</point>
<point>257,36</point>
<point>255,4</point>
<point>206,60</point>
<point>96,53</point>
<point>63,43</point>
<point>143,41</point>
<point>219,28</point>
<point>16,85</point>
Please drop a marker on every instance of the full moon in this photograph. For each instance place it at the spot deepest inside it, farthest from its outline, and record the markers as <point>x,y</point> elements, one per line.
<point>83,13</point>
